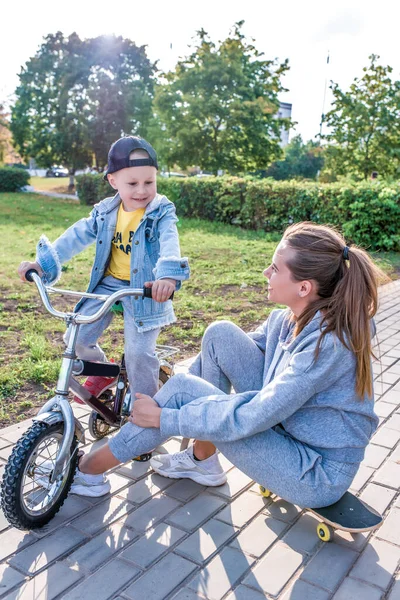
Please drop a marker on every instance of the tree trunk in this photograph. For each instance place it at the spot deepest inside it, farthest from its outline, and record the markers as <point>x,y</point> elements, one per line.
<point>71,186</point>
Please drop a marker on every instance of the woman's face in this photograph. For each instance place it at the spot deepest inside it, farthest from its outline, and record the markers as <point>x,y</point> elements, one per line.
<point>282,288</point>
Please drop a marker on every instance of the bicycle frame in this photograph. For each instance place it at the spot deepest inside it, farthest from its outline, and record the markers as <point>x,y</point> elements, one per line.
<point>58,408</point>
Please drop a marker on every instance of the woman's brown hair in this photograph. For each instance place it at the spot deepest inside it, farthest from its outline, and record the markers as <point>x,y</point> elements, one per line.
<point>347,286</point>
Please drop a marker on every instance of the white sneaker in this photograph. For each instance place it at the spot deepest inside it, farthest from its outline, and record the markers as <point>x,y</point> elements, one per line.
<point>183,465</point>
<point>94,486</point>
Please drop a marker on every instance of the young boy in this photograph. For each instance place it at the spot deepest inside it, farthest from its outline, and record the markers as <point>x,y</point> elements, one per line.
<point>137,245</point>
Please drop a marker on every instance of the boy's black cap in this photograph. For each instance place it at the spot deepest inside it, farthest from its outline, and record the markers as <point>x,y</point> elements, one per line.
<point>118,156</point>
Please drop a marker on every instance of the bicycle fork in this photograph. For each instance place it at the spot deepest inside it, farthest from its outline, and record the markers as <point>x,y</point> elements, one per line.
<point>58,408</point>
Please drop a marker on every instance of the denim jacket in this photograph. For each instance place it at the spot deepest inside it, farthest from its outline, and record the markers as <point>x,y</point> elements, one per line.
<point>155,254</point>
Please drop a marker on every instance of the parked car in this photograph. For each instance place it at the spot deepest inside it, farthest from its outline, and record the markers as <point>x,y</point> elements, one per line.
<point>57,171</point>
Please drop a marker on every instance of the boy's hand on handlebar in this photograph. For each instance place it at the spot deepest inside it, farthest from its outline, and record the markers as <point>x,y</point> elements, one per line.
<point>161,289</point>
<point>25,266</point>
<point>145,412</point>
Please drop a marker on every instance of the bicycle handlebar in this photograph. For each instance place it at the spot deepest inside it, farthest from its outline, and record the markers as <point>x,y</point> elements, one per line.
<point>33,276</point>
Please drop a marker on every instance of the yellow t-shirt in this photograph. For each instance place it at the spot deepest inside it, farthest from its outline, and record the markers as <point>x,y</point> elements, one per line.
<point>121,245</point>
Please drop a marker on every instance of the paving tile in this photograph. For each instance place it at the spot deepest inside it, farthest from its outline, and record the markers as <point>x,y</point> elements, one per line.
<point>302,590</point>
<point>146,488</point>
<point>105,583</point>
<point>161,579</point>
<point>392,396</point>
<point>395,455</point>
<point>375,455</point>
<point>4,443</point>
<point>390,377</point>
<point>273,571</point>
<point>5,453</point>
<point>386,437</point>
<point>149,514</point>
<point>152,545</point>
<point>4,524</point>
<point>195,512</point>
<point>237,482</point>
<point>9,578</point>
<point>394,593</point>
<point>362,476</point>
<point>206,541</point>
<point>393,422</point>
<point>352,589</point>
<point>185,489</point>
<point>378,497</point>
<point>257,537</point>
<point>388,475</point>
<point>73,506</point>
<point>101,547</point>
<point>302,536</point>
<point>102,515</point>
<point>243,592</point>
<point>13,433</point>
<point>48,584</point>
<point>329,566</point>
<point>383,409</point>
<point>186,594</point>
<point>242,510</point>
<point>377,563</point>
<point>390,528</point>
<point>50,548</point>
<point>282,510</point>
<point>134,469</point>
<point>221,574</point>
<point>13,540</point>
<point>354,541</point>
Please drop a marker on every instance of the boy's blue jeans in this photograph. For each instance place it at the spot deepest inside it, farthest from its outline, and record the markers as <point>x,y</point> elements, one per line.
<point>141,361</point>
<point>273,458</point>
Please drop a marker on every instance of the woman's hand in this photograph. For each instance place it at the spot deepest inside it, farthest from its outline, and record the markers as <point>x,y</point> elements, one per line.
<point>161,289</point>
<point>145,412</point>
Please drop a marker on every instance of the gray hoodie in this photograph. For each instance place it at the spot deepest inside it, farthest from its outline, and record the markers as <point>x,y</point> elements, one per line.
<point>314,400</point>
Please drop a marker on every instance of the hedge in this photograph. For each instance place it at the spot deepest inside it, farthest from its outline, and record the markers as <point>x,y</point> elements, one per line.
<point>368,213</point>
<point>13,179</point>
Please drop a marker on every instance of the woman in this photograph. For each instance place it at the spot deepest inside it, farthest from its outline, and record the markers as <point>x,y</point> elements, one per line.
<point>302,412</point>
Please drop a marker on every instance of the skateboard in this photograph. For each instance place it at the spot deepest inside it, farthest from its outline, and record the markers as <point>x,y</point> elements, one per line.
<point>348,514</point>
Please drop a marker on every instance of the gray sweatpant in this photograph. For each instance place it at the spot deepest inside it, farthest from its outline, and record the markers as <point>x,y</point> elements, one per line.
<point>273,458</point>
<point>141,361</point>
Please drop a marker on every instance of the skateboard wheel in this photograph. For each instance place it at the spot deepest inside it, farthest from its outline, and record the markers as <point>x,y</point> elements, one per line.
<point>264,492</point>
<point>324,532</point>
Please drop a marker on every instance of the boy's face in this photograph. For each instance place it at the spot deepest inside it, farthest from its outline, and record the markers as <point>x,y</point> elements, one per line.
<point>137,186</point>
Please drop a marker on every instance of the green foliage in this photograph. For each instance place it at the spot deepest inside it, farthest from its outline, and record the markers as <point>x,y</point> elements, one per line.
<point>76,97</point>
<point>368,213</point>
<point>302,161</point>
<point>217,109</point>
<point>363,123</point>
<point>12,180</point>
<point>92,188</point>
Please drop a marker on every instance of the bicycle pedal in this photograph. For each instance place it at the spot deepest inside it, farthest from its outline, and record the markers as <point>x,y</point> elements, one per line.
<point>143,457</point>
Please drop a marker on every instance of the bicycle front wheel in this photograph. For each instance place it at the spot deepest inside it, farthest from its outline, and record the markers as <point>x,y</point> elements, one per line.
<point>28,498</point>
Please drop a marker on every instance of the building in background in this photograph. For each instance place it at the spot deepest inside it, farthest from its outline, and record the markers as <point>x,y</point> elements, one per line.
<point>284,112</point>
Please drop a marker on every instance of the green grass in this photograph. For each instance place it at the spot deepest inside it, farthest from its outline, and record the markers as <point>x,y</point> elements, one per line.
<point>226,283</point>
<point>50,184</point>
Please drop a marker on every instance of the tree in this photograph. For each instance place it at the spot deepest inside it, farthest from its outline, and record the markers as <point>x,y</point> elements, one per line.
<point>301,161</point>
<point>76,97</point>
<point>365,124</point>
<point>218,107</point>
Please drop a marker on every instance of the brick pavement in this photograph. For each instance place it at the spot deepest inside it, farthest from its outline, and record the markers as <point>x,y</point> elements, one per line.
<point>160,539</point>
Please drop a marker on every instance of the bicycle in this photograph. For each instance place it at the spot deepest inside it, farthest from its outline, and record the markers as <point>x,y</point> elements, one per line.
<point>41,467</point>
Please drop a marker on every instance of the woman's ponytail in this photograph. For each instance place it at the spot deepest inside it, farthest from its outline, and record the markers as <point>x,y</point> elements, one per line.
<point>347,285</point>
